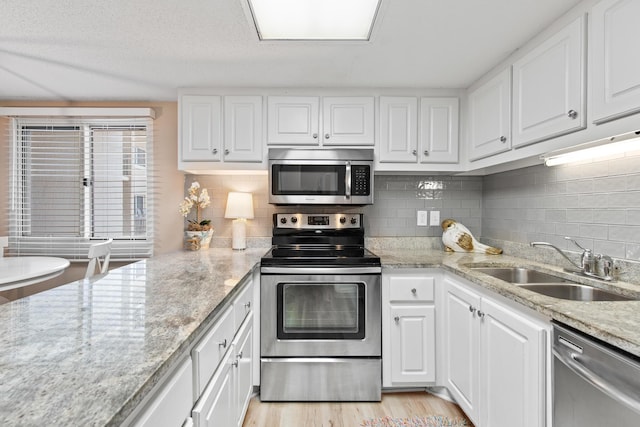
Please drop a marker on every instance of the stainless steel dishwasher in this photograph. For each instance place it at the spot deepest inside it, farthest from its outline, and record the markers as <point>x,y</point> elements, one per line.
<point>594,385</point>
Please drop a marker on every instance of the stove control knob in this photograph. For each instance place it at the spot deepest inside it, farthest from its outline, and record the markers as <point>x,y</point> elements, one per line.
<point>294,219</point>
<point>354,220</point>
<point>283,220</point>
<point>343,220</point>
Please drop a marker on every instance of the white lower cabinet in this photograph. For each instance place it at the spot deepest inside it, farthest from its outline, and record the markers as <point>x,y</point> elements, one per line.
<point>496,363</point>
<point>408,328</point>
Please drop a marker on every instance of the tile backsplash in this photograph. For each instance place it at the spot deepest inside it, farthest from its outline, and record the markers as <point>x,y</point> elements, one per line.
<point>596,203</point>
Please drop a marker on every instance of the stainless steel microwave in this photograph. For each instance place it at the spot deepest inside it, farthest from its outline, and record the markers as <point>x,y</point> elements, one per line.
<point>320,176</point>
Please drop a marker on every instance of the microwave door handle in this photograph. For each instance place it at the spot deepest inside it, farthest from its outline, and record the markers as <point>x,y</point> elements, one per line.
<point>347,178</point>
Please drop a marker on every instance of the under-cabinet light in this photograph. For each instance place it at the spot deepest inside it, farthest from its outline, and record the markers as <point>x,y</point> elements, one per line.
<point>594,150</point>
<point>314,19</point>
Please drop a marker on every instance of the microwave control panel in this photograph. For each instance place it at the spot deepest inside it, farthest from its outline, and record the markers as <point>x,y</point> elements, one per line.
<point>360,180</point>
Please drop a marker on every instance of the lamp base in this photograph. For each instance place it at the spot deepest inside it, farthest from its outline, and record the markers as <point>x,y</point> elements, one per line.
<point>239,234</point>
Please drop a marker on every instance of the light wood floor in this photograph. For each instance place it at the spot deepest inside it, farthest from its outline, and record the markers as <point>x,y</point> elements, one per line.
<point>348,414</point>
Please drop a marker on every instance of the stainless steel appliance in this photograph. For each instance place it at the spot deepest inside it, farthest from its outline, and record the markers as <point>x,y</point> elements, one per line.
<point>320,177</point>
<point>320,301</point>
<point>595,385</point>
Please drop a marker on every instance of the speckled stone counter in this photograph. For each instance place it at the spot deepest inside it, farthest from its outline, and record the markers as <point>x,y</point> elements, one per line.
<point>86,353</point>
<point>615,322</point>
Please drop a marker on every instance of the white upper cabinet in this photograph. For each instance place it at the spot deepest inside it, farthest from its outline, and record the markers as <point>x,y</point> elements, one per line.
<point>398,129</point>
<point>438,130</point>
<point>295,120</point>
<point>490,117</point>
<point>348,120</point>
<point>615,59</point>
<point>292,120</point>
<point>201,127</point>
<point>243,128</point>
<point>549,87</point>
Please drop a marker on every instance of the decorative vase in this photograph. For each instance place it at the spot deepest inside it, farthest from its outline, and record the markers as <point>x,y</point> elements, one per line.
<point>196,240</point>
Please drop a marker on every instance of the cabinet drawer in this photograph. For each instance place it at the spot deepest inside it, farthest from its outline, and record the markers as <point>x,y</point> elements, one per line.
<point>243,304</point>
<point>411,288</point>
<point>211,348</point>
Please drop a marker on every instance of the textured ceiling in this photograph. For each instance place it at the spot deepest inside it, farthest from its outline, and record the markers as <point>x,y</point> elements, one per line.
<point>147,49</point>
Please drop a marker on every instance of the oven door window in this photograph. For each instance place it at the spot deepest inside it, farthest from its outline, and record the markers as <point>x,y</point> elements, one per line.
<point>309,180</point>
<point>321,311</point>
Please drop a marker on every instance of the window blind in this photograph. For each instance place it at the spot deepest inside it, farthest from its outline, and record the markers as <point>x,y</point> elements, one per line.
<point>75,181</point>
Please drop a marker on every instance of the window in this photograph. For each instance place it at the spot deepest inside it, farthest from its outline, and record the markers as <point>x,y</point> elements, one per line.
<point>75,181</point>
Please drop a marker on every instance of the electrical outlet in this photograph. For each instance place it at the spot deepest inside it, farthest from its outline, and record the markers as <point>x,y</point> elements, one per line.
<point>422,218</point>
<point>435,218</point>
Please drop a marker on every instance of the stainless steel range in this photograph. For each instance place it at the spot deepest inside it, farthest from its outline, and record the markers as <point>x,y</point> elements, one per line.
<point>320,333</point>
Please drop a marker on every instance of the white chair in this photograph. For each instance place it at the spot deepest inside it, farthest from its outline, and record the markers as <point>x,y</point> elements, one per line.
<point>4,242</point>
<point>99,255</point>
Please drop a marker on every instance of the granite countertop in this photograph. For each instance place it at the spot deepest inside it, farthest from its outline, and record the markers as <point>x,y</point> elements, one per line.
<point>86,353</point>
<point>615,322</point>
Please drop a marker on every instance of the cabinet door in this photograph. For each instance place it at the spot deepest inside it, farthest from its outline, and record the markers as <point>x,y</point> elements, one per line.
<point>398,129</point>
<point>243,372</point>
<point>201,128</point>
<point>549,88</point>
<point>243,128</point>
<point>462,347</point>
<point>413,343</point>
<point>512,369</point>
<point>172,405</point>
<point>438,130</point>
<point>348,120</point>
<point>615,61</point>
<point>216,405</point>
<point>490,117</point>
<point>243,304</point>
<point>292,120</point>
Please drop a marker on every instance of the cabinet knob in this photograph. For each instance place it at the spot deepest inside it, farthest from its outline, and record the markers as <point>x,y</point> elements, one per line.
<point>414,152</point>
<point>239,355</point>
<point>472,309</point>
<point>572,114</point>
<point>426,152</point>
<point>214,151</point>
<point>223,344</point>
<point>414,290</point>
<point>235,363</point>
<point>315,136</point>
<point>503,139</point>
<point>226,151</point>
<point>397,319</point>
<point>247,305</point>
<point>480,314</point>
<point>326,136</point>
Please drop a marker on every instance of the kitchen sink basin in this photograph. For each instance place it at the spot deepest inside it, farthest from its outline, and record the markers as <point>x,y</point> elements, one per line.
<point>520,275</point>
<point>550,285</point>
<point>574,292</point>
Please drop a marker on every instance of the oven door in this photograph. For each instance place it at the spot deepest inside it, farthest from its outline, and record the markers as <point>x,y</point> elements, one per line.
<point>321,315</point>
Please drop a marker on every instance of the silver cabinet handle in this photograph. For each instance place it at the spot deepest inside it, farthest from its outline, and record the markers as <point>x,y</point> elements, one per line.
<point>414,152</point>
<point>426,152</point>
<point>226,151</point>
<point>414,290</point>
<point>223,344</point>
<point>214,151</point>
<point>239,355</point>
<point>247,305</point>
<point>472,309</point>
<point>397,319</point>
<point>315,136</point>
<point>235,363</point>
<point>326,136</point>
<point>480,314</point>
<point>503,139</point>
<point>572,114</point>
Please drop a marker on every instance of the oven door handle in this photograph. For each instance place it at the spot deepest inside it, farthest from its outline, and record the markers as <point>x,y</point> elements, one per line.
<point>321,270</point>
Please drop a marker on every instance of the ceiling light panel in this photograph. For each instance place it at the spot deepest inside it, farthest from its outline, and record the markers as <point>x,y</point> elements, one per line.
<point>314,19</point>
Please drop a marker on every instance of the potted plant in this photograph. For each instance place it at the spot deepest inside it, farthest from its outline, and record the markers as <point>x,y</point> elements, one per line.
<point>199,231</point>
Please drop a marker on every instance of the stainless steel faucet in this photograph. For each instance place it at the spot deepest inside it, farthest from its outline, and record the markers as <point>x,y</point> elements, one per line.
<point>588,261</point>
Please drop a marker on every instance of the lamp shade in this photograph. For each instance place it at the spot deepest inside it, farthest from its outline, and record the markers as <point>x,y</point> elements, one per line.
<point>239,205</point>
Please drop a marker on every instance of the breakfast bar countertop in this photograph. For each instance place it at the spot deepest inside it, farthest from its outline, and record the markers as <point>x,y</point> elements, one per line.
<point>87,353</point>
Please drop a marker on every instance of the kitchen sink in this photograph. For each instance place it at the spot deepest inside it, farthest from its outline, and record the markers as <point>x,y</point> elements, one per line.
<point>550,285</point>
<point>520,275</point>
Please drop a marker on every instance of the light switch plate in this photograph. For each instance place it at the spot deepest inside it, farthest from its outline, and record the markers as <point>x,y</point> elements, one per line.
<point>422,218</point>
<point>435,218</point>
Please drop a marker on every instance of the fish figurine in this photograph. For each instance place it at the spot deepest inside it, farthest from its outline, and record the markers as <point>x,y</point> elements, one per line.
<point>457,238</point>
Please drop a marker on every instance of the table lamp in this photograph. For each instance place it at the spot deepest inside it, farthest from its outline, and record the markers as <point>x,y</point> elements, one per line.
<point>239,207</point>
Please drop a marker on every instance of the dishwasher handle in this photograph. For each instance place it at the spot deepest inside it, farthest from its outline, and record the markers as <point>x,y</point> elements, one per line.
<point>620,392</point>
